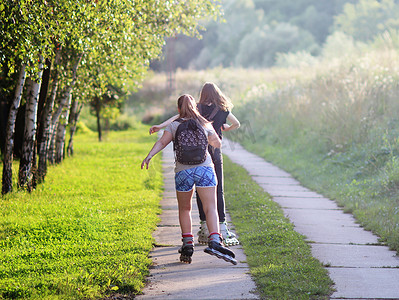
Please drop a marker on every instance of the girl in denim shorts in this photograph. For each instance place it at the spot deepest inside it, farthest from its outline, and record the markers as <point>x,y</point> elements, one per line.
<point>202,176</point>
<point>216,107</point>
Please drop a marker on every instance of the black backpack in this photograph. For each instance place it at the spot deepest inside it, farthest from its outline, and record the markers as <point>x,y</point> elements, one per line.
<point>191,143</point>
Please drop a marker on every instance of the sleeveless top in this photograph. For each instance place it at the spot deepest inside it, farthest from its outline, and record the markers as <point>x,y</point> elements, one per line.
<point>218,120</point>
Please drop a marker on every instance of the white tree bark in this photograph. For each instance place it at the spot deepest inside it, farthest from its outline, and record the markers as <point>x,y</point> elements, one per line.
<point>57,114</point>
<point>30,131</point>
<point>61,132</point>
<point>74,117</point>
<point>47,121</point>
<point>9,146</point>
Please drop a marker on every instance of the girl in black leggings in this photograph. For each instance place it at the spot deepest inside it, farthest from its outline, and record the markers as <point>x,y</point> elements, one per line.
<point>215,107</point>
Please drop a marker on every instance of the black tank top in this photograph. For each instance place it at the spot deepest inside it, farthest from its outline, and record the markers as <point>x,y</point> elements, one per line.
<point>218,120</point>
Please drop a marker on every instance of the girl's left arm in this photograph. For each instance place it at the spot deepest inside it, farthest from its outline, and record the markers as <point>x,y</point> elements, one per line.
<point>158,146</point>
<point>234,123</point>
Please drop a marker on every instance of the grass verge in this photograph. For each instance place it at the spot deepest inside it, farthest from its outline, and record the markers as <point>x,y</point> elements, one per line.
<point>86,232</point>
<point>280,260</point>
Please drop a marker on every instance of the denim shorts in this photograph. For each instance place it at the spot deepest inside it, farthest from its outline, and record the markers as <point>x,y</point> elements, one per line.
<point>198,176</point>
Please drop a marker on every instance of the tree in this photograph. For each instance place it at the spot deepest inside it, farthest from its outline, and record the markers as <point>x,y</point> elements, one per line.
<point>23,47</point>
<point>248,19</point>
<point>368,18</point>
<point>88,44</point>
<point>260,47</point>
<point>8,152</point>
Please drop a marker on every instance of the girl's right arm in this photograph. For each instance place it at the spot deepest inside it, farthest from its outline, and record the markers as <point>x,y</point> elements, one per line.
<point>158,146</point>
<point>156,128</point>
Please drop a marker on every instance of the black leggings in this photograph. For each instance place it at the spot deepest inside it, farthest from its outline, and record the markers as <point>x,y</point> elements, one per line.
<point>217,159</point>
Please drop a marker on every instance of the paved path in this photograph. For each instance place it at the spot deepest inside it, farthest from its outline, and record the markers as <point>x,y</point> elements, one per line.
<point>359,268</point>
<point>207,277</point>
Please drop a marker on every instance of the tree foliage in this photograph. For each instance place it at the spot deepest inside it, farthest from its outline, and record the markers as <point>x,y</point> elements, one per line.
<point>260,30</point>
<point>368,18</point>
<point>101,44</point>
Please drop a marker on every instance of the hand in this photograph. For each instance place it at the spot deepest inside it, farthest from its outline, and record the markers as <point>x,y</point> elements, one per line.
<point>225,127</point>
<point>145,162</point>
<point>154,129</point>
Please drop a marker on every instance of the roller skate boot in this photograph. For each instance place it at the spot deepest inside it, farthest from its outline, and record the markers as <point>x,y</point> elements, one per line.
<point>187,249</point>
<point>229,238</point>
<point>216,248</point>
<point>203,233</point>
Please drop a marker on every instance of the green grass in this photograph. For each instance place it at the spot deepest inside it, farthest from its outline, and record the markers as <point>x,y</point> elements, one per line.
<point>280,260</point>
<point>85,232</point>
<point>362,179</point>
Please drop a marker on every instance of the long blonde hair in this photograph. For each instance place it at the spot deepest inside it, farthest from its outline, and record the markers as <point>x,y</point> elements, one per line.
<point>188,109</point>
<point>211,94</point>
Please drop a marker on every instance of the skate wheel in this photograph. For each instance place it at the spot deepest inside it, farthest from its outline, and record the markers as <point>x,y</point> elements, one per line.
<point>231,242</point>
<point>202,241</point>
<point>185,259</point>
<point>220,255</point>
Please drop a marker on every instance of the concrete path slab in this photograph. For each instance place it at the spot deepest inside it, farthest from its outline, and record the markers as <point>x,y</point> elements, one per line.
<point>303,203</point>
<point>355,256</point>
<point>360,268</point>
<point>207,277</point>
<point>365,283</point>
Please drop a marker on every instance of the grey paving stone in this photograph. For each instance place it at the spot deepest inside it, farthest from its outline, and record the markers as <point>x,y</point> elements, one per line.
<point>355,256</point>
<point>277,192</point>
<point>365,283</point>
<point>315,216</point>
<point>284,188</point>
<point>207,277</point>
<point>306,203</point>
<point>336,235</point>
<point>273,180</point>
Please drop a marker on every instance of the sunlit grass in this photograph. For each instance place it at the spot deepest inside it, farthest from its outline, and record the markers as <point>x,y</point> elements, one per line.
<point>86,231</point>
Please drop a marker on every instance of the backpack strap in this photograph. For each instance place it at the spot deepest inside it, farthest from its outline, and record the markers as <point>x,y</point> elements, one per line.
<point>213,113</point>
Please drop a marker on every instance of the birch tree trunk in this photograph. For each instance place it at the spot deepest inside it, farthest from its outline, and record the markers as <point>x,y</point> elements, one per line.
<point>74,117</point>
<point>61,130</point>
<point>44,142</point>
<point>9,145</point>
<point>25,165</point>
<point>98,116</point>
<point>57,114</point>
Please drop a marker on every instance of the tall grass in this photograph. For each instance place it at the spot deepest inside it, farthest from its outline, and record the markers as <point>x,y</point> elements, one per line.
<point>333,124</point>
<point>86,232</point>
<point>155,101</point>
<point>338,134</point>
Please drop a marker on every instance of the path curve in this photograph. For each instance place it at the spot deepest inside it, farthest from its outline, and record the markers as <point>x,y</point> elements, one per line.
<point>360,268</point>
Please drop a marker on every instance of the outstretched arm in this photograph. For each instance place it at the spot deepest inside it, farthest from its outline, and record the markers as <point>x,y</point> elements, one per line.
<point>234,123</point>
<point>158,146</point>
<point>156,128</point>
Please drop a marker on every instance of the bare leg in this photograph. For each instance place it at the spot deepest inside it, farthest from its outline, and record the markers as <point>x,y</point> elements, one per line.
<point>184,203</point>
<point>208,198</point>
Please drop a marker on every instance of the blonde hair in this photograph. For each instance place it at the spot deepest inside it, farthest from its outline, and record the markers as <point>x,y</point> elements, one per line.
<point>211,94</point>
<point>188,109</point>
